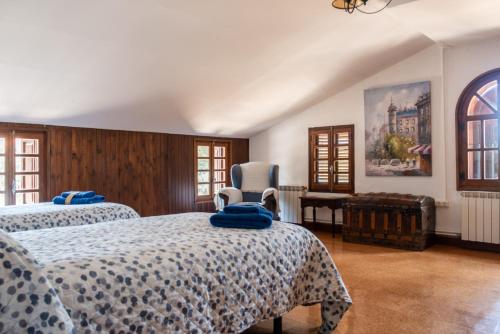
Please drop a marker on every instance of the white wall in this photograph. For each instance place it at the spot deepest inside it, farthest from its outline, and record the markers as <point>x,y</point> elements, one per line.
<point>449,71</point>
<point>461,65</point>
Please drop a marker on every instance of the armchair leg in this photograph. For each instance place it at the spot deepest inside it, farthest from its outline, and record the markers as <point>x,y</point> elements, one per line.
<point>278,325</point>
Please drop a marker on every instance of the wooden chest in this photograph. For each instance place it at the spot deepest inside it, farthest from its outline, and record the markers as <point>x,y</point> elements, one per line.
<point>396,220</point>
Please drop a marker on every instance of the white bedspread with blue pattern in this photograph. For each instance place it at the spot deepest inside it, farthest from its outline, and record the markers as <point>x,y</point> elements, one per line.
<point>47,215</point>
<point>179,274</point>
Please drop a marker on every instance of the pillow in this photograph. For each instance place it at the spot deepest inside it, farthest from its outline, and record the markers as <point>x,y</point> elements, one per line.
<point>255,176</point>
<point>28,302</point>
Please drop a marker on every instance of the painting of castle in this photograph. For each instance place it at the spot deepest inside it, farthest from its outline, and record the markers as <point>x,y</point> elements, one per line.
<point>398,130</point>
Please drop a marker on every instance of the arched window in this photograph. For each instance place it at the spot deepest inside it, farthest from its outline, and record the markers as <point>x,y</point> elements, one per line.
<point>478,133</point>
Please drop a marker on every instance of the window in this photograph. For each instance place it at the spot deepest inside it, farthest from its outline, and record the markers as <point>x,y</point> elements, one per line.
<point>22,167</point>
<point>478,133</point>
<point>211,168</point>
<point>331,159</point>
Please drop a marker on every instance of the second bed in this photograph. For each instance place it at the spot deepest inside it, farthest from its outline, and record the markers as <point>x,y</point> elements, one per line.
<point>47,215</point>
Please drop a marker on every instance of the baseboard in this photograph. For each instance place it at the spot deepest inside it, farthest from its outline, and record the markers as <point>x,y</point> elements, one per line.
<point>448,240</point>
<point>458,242</point>
<point>441,239</point>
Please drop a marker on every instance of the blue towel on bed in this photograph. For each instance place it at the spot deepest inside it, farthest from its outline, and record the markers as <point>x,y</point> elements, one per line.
<point>241,220</point>
<point>78,201</point>
<point>80,194</point>
<point>247,208</point>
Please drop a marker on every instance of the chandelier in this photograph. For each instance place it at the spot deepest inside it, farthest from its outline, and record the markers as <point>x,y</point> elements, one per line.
<point>350,5</point>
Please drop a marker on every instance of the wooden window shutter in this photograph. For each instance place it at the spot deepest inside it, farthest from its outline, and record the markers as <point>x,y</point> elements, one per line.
<point>331,159</point>
<point>320,159</point>
<point>343,159</point>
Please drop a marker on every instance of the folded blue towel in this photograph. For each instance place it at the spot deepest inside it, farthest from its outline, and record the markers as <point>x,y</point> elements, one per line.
<point>80,194</point>
<point>247,208</point>
<point>76,201</point>
<point>241,220</point>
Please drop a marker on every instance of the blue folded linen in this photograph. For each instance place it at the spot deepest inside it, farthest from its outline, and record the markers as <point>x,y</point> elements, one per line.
<point>241,220</point>
<point>78,201</point>
<point>80,194</point>
<point>247,208</point>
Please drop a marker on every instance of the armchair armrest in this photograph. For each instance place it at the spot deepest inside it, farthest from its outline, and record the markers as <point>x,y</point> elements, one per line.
<point>227,195</point>
<point>271,199</point>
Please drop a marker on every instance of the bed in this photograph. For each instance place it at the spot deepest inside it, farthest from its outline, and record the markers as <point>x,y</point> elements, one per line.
<point>47,215</point>
<point>174,274</point>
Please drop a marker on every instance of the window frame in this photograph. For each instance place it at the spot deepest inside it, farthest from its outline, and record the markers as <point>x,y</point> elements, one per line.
<point>463,183</point>
<point>10,134</point>
<point>332,186</point>
<point>7,192</point>
<point>211,143</point>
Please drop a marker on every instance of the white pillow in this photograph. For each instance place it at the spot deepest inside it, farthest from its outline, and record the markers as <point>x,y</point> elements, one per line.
<point>255,176</point>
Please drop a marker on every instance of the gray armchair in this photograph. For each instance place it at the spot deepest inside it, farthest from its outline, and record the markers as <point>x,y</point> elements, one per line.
<point>253,182</point>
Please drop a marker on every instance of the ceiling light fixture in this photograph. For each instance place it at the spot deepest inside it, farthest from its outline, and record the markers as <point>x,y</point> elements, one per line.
<point>350,6</point>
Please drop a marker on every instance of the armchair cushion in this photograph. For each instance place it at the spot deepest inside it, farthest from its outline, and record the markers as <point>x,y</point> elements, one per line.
<point>252,197</point>
<point>255,176</point>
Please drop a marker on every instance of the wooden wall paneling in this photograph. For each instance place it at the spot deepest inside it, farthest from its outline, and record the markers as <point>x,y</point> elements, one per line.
<point>59,160</point>
<point>239,151</point>
<point>124,170</point>
<point>108,165</point>
<point>144,158</point>
<point>133,177</point>
<point>164,178</point>
<point>185,167</point>
<point>180,171</point>
<point>22,126</point>
<point>156,172</point>
<point>129,169</point>
<point>208,206</point>
<point>151,172</point>
<point>138,179</point>
<point>83,159</point>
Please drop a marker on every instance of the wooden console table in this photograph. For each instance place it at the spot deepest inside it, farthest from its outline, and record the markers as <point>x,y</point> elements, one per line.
<point>332,202</point>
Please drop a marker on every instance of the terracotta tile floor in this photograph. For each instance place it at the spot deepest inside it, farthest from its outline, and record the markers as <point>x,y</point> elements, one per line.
<point>441,290</point>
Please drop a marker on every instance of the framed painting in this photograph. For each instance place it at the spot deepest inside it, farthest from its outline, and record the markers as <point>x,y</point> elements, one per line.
<point>398,139</point>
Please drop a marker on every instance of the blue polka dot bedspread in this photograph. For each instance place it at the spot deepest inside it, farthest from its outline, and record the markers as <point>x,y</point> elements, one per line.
<point>165,274</point>
<point>47,215</point>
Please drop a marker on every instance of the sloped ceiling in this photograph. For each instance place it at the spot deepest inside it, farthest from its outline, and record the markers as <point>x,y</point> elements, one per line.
<point>219,67</point>
<point>451,22</point>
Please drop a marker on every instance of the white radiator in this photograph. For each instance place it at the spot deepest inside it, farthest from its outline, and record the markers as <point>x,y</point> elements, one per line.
<point>481,217</point>
<point>290,203</point>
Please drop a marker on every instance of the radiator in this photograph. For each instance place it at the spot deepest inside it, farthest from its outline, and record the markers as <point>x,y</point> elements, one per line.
<point>481,217</point>
<point>290,203</point>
